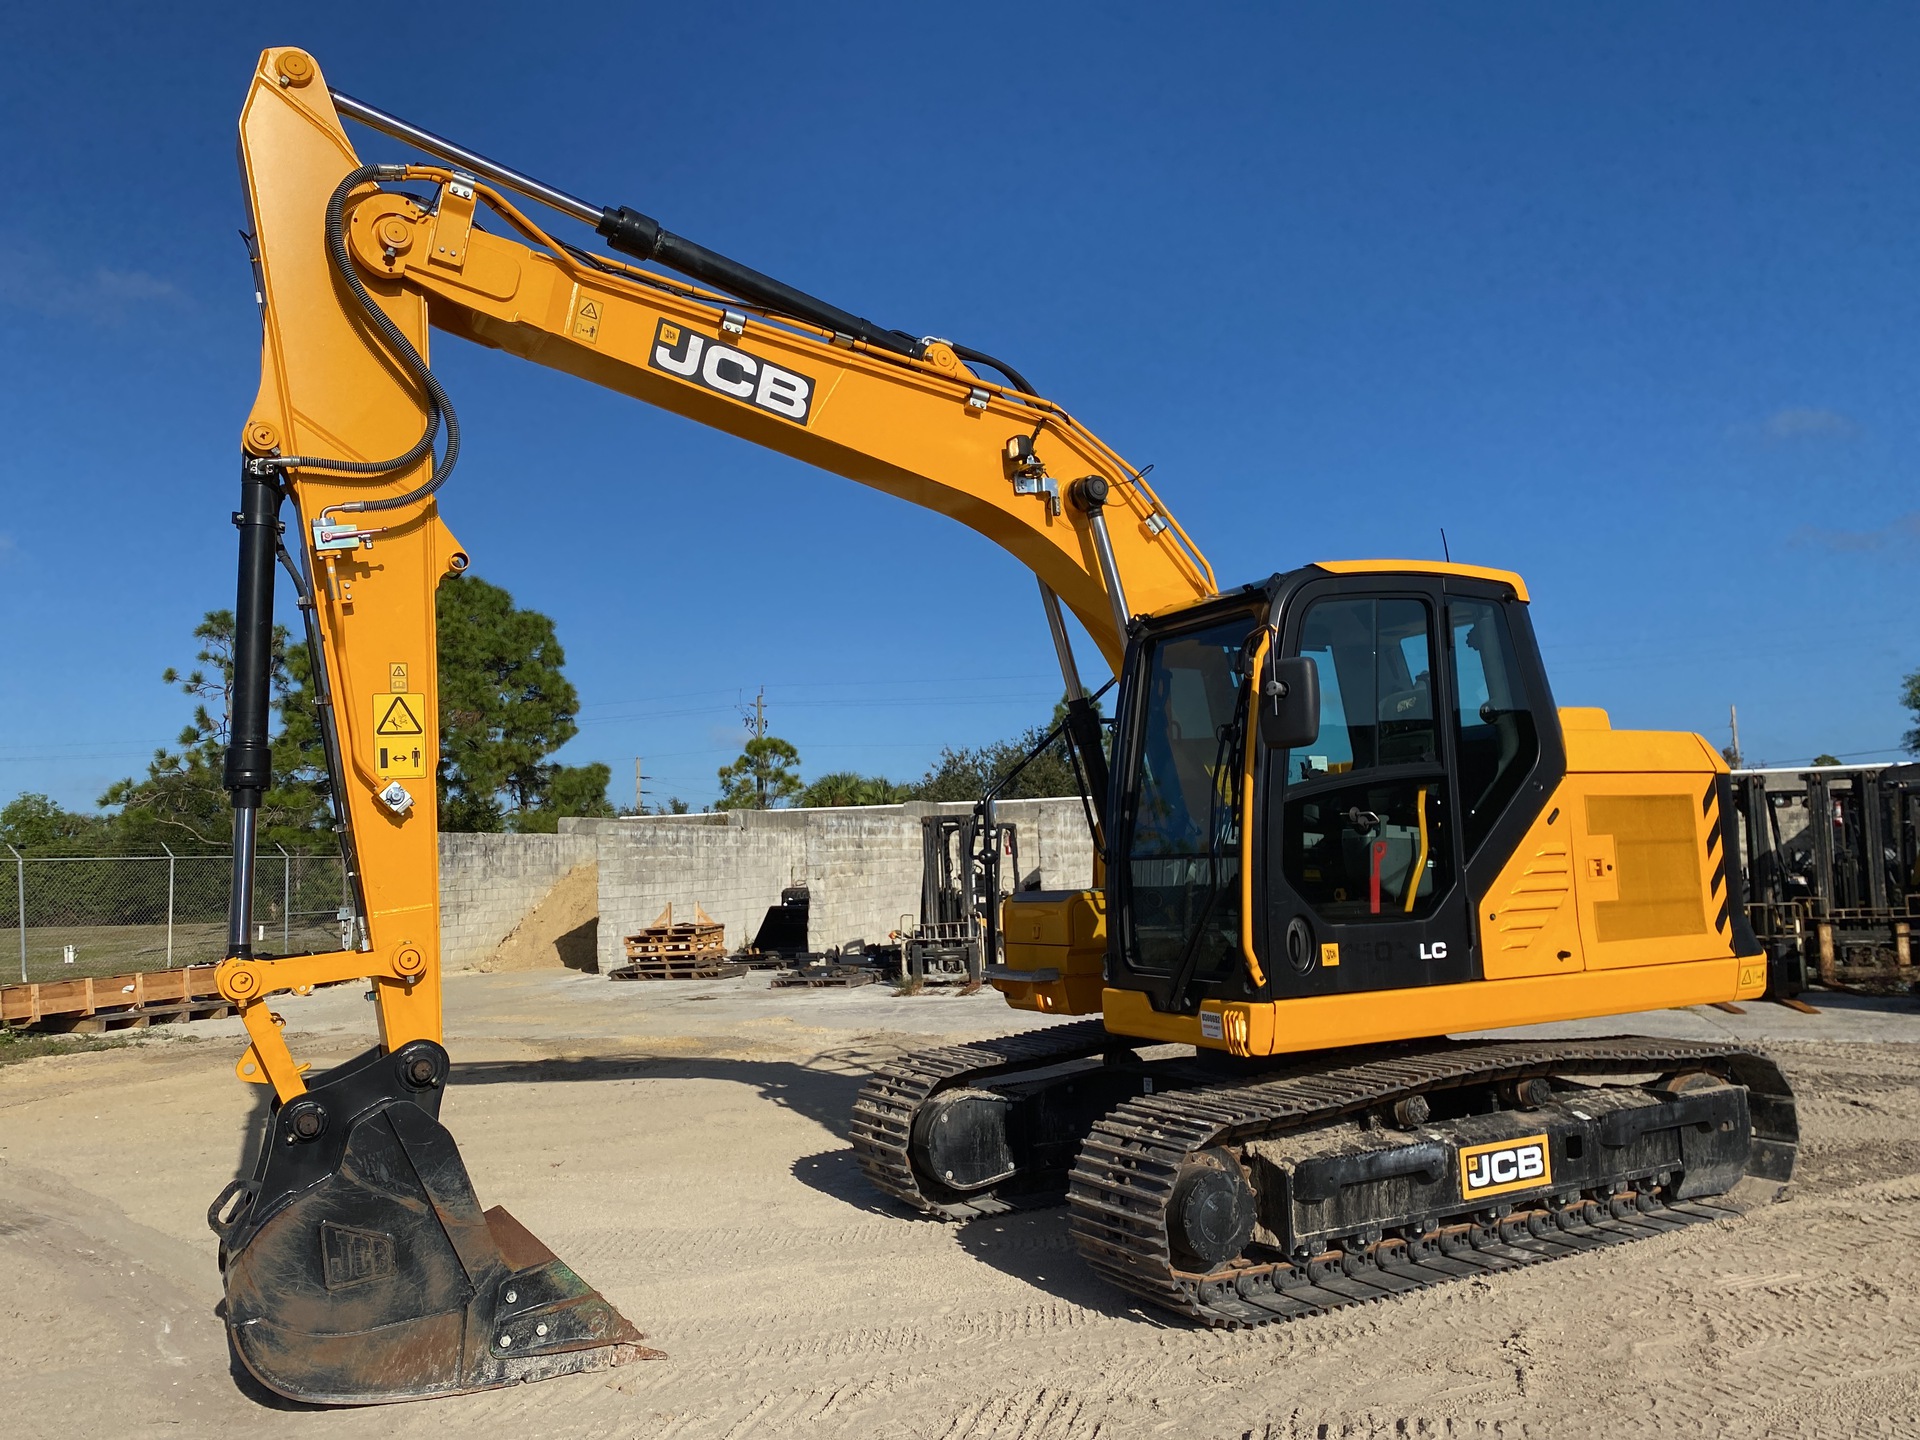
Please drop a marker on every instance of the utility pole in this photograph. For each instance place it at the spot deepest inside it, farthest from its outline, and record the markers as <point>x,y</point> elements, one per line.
<point>1733,723</point>
<point>639,788</point>
<point>757,723</point>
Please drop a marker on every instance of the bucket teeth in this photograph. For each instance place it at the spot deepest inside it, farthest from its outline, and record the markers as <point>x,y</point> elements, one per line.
<point>544,1309</point>
<point>360,1268</point>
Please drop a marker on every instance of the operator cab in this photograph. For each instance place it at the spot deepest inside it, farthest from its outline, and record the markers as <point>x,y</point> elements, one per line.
<point>1375,814</point>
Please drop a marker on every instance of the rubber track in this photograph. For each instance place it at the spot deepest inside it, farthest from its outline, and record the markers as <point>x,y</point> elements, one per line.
<point>1122,1184</point>
<point>882,1124</point>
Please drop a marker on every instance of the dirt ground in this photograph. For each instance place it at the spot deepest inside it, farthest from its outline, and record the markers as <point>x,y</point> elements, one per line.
<point>684,1147</point>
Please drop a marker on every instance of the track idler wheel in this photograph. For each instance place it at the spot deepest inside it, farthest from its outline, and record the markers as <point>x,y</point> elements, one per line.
<point>1211,1215</point>
<point>360,1268</point>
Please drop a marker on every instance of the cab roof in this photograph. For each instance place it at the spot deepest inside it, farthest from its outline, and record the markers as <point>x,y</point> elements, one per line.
<point>1427,567</point>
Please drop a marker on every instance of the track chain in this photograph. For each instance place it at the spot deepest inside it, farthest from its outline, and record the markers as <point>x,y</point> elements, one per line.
<point>882,1124</point>
<point>1123,1182</point>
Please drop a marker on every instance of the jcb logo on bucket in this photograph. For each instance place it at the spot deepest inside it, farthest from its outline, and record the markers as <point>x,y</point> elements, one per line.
<point>1504,1165</point>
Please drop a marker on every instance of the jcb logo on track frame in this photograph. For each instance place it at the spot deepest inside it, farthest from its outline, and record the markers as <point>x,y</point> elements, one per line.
<point>1504,1165</point>
<point>720,367</point>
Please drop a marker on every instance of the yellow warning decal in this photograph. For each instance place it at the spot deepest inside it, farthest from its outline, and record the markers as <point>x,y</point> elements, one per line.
<point>586,319</point>
<point>398,714</point>
<point>397,677</point>
<point>400,736</point>
<point>1504,1165</point>
<point>1329,955</point>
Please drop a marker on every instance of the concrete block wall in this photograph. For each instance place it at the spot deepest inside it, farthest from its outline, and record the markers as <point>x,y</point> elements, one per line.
<point>862,865</point>
<point>489,882</point>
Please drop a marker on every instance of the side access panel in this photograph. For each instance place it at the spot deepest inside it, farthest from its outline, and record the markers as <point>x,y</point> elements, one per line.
<point>1056,949</point>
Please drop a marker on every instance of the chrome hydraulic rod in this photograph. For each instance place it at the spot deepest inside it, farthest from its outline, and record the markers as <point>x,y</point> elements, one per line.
<point>445,149</point>
<point>1090,497</point>
<point>641,236</point>
<point>1062,644</point>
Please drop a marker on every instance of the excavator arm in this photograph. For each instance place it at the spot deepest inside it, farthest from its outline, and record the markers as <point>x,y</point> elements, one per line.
<point>359,1265</point>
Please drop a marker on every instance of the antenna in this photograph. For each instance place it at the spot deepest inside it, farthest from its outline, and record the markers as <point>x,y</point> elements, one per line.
<point>1443,545</point>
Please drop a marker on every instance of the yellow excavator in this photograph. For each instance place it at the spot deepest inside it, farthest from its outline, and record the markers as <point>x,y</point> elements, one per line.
<point>1337,819</point>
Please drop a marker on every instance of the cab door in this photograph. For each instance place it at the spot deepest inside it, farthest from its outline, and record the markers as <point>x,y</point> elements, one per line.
<point>1364,864</point>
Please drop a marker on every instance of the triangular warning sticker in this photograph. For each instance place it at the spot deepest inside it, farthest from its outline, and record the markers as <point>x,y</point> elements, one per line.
<point>589,311</point>
<point>398,717</point>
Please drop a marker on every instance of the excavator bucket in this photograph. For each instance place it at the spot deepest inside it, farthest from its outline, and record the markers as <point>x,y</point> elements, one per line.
<point>360,1268</point>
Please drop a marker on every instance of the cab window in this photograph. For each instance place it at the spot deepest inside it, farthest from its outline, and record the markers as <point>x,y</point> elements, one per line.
<point>1365,828</point>
<point>1493,725</point>
<point>1376,686</point>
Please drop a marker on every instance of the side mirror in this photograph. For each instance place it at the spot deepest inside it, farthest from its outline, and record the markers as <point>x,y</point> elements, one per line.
<point>1289,699</point>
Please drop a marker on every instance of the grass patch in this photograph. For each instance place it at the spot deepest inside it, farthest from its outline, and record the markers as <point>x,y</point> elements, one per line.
<point>16,1045</point>
<point>911,985</point>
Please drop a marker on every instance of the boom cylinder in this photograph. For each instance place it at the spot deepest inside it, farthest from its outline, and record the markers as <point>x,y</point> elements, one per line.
<point>1090,495</point>
<point>1083,721</point>
<point>249,767</point>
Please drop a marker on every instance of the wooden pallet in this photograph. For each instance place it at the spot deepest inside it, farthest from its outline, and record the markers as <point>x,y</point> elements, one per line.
<point>677,968</point>
<point>114,1002</point>
<point>699,938</point>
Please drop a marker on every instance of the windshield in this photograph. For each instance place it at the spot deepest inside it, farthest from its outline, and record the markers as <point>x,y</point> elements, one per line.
<point>1182,844</point>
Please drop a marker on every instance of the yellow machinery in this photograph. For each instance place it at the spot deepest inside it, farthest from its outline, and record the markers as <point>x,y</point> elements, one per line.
<point>1338,812</point>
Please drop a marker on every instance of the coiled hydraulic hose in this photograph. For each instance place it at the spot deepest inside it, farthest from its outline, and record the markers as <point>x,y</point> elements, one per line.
<point>439,407</point>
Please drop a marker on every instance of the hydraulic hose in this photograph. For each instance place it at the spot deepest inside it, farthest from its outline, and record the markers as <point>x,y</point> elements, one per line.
<point>439,407</point>
<point>980,357</point>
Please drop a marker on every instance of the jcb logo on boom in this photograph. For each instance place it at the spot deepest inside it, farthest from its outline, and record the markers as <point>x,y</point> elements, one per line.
<point>734,373</point>
<point>1504,1165</point>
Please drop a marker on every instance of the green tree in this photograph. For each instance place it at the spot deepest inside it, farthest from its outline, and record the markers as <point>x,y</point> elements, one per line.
<point>37,825</point>
<point>848,787</point>
<point>1826,759</point>
<point>1910,697</point>
<point>764,776</point>
<point>181,802</point>
<point>968,774</point>
<point>505,707</point>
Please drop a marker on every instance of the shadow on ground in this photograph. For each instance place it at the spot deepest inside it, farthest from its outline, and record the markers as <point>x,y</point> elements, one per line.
<point>1034,1246</point>
<point>824,1096</point>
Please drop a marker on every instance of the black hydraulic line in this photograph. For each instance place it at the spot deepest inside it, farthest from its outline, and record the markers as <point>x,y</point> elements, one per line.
<point>980,357</point>
<point>248,773</point>
<point>1000,788</point>
<point>644,238</point>
<point>439,407</point>
<point>328,719</point>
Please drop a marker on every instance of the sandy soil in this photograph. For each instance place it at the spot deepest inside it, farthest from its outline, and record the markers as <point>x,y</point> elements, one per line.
<point>684,1147</point>
<point>562,930</point>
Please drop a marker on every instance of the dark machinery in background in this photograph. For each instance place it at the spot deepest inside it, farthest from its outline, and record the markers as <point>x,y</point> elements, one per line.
<point>1833,873</point>
<point>782,936</point>
<point>969,863</point>
<point>963,859</point>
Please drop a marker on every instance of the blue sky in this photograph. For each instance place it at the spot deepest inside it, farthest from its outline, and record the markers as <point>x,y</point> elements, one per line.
<point>1625,297</point>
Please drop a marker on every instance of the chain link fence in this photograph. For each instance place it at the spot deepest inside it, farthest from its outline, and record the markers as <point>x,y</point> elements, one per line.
<point>112,914</point>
